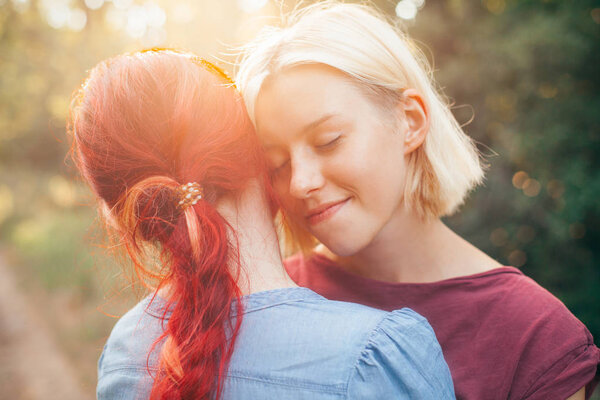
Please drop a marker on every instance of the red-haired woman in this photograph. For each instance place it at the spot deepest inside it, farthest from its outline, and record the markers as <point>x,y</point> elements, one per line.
<point>165,143</point>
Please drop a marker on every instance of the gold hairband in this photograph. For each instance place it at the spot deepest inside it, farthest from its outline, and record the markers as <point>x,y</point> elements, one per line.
<point>188,194</point>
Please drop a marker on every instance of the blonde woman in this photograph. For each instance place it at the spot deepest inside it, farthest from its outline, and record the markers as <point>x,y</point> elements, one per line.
<point>367,157</point>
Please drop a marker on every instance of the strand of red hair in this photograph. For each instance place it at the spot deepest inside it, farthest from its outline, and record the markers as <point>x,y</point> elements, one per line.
<point>142,125</point>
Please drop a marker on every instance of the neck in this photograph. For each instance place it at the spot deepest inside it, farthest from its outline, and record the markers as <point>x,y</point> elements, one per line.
<point>256,241</point>
<point>410,249</point>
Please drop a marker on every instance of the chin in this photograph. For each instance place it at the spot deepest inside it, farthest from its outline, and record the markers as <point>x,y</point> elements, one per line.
<point>346,248</point>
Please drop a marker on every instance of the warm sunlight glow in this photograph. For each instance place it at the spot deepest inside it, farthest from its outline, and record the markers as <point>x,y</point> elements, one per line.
<point>251,6</point>
<point>123,4</point>
<point>94,4</point>
<point>182,13</point>
<point>57,16</point>
<point>406,9</point>
<point>77,19</point>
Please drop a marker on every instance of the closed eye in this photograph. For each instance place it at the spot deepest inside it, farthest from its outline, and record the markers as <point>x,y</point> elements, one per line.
<point>329,144</point>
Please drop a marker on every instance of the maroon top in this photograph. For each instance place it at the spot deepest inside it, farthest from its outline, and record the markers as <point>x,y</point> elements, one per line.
<point>503,335</point>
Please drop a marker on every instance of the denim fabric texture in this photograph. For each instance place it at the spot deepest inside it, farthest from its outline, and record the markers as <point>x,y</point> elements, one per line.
<point>294,344</point>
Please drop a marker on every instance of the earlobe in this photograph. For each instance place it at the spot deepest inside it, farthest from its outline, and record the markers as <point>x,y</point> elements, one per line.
<point>416,115</point>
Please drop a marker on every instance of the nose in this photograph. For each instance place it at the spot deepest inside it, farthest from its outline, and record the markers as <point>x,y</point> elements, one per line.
<point>306,176</point>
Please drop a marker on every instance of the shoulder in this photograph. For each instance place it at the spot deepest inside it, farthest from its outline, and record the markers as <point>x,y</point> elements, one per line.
<point>554,352</point>
<point>558,350</point>
<point>371,328</point>
<point>130,354</point>
<point>362,324</point>
<point>323,345</point>
<point>310,328</point>
<point>403,358</point>
<point>134,334</point>
<point>526,303</point>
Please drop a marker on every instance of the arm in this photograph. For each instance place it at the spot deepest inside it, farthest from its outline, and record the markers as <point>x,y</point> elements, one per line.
<point>126,383</point>
<point>580,395</point>
<point>403,360</point>
<point>123,371</point>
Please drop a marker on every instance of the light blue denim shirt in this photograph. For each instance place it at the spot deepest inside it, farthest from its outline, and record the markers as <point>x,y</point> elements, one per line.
<point>294,344</point>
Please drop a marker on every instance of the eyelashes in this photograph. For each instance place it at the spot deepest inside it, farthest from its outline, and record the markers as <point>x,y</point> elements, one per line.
<point>329,144</point>
<point>319,148</point>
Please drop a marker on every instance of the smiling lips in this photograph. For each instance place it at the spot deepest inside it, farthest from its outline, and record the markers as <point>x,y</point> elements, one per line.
<point>324,212</point>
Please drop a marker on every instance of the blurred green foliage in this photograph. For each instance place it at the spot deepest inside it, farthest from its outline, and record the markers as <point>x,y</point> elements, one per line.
<point>522,75</point>
<point>529,72</point>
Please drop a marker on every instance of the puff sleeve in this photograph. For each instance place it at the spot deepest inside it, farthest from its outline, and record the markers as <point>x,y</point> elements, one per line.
<point>126,366</point>
<point>401,360</point>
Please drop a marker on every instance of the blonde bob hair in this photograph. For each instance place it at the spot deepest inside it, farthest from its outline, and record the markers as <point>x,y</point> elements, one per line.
<point>358,41</point>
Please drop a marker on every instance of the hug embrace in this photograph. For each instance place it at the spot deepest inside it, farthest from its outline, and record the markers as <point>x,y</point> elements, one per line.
<point>332,142</point>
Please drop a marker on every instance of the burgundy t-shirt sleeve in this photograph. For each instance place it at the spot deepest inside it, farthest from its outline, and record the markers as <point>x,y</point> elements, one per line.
<point>568,375</point>
<point>558,355</point>
<point>567,367</point>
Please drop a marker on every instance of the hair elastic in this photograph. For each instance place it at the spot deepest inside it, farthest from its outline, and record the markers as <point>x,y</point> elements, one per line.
<point>188,194</point>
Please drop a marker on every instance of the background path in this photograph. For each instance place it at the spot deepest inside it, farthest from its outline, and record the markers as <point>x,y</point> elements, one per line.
<point>31,365</point>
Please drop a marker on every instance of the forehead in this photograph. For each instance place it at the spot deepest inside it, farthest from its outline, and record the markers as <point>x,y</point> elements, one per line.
<point>297,97</point>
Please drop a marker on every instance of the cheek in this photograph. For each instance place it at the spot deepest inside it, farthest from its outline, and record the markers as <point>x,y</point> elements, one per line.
<point>381,179</point>
<point>282,190</point>
<point>289,203</point>
<point>293,212</point>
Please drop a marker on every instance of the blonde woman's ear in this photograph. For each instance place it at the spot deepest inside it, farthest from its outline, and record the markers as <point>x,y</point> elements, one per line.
<point>416,120</point>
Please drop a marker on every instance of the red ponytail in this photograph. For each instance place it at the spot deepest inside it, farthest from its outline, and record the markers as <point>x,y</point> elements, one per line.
<point>142,125</point>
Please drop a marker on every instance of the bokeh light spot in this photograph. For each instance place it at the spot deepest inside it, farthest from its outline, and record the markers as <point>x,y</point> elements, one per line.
<point>531,187</point>
<point>94,4</point>
<point>251,6</point>
<point>519,179</point>
<point>61,191</point>
<point>27,232</point>
<point>57,16</point>
<point>517,258</point>
<point>20,6</point>
<point>499,237</point>
<point>77,19</point>
<point>136,22</point>
<point>155,16</point>
<point>406,9</point>
<point>595,13</point>
<point>495,6</point>
<point>122,4</point>
<point>58,106</point>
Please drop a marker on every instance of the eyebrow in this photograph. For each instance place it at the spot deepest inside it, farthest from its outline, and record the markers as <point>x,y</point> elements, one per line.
<point>316,123</point>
